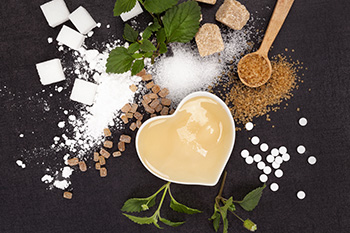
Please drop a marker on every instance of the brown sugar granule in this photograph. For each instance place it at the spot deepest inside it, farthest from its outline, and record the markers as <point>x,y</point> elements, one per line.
<point>150,85</point>
<point>124,119</point>
<point>155,89</point>
<point>164,111</point>
<point>129,115</point>
<point>153,95</point>
<point>158,108</point>
<point>171,111</point>
<point>96,155</point>
<point>102,160</point>
<point>147,99</point>
<point>103,172</point>
<point>117,154</point>
<point>108,144</point>
<point>133,126</point>
<point>107,132</point>
<point>133,87</point>
<point>141,73</point>
<point>104,153</point>
<point>253,70</point>
<point>164,92</point>
<point>97,166</point>
<point>121,146</point>
<point>67,195</point>
<point>153,115</point>
<point>125,138</point>
<point>138,116</point>
<point>82,166</point>
<point>138,123</point>
<point>154,103</point>
<point>165,101</point>
<point>146,77</point>
<point>149,109</point>
<point>133,108</point>
<point>126,108</point>
<point>73,161</point>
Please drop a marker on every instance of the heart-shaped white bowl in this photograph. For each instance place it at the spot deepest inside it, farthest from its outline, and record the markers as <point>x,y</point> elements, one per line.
<point>224,157</point>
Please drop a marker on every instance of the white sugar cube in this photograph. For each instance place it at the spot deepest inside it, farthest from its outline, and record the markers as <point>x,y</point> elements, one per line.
<point>55,12</point>
<point>82,20</point>
<point>70,37</point>
<point>50,71</point>
<point>132,13</point>
<point>83,91</point>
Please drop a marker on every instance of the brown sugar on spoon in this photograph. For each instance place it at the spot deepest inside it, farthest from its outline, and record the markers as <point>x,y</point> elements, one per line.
<point>254,70</point>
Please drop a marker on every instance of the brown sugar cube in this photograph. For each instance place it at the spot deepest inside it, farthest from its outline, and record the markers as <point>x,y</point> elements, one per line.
<point>107,132</point>
<point>164,111</point>
<point>165,101</point>
<point>133,87</point>
<point>158,108</point>
<point>149,109</point>
<point>146,77</point>
<point>103,172</point>
<point>117,154</point>
<point>138,123</point>
<point>155,89</point>
<point>96,155</point>
<point>164,92</point>
<point>125,138</point>
<point>138,116</point>
<point>108,144</point>
<point>133,126</point>
<point>82,166</point>
<point>124,119</point>
<point>147,99</point>
<point>129,115</point>
<point>67,195</point>
<point>150,85</point>
<point>126,108</point>
<point>97,166</point>
<point>73,161</point>
<point>133,108</point>
<point>209,40</point>
<point>233,14</point>
<point>153,115</point>
<point>154,103</point>
<point>105,153</point>
<point>212,2</point>
<point>153,95</point>
<point>102,160</point>
<point>141,73</point>
<point>171,111</point>
<point>121,146</point>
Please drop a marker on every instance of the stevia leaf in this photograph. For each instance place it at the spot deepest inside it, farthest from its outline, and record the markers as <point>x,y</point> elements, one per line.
<point>133,47</point>
<point>135,204</point>
<point>170,223</point>
<point>147,46</point>
<point>119,61</point>
<point>137,55</point>
<point>251,200</point>
<point>149,54</point>
<point>122,6</point>
<point>141,220</point>
<point>130,34</point>
<point>155,26</point>
<point>162,48</point>
<point>146,33</point>
<point>137,67</point>
<point>161,35</point>
<point>216,220</point>
<point>225,227</point>
<point>176,206</point>
<point>159,6</point>
<point>181,22</point>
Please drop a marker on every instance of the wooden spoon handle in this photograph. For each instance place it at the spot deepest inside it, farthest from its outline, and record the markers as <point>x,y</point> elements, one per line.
<point>279,15</point>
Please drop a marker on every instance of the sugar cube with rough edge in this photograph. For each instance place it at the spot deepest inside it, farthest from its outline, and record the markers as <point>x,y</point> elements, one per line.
<point>103,172</point>
<point>233,14</point>
<point>70,37</point>
<point>82,166</point>
<point>132,13</point>
<point>209,40</point>
<point>50,71</point>
<point>67,195</point>
<point>212,2</point>
<point>83,91</point>
<point>82,20</point>
<point>55,12</point>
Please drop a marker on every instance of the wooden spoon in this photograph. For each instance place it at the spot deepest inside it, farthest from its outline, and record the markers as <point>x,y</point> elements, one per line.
<point>255,69</point>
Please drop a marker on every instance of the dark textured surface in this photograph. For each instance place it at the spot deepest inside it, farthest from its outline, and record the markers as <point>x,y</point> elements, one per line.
<point>319,32</point>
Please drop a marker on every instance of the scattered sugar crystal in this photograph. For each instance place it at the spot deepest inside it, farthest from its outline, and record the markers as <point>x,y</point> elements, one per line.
<point>83,91</point>
<point>108,26</point>
<point>286,157</point>
<point>21,135</point>
<point>82,20</point>
<point>264,147</point>
<point>98,25</point>
<point>303,121</point>
<point>249,126</point>
<point>55,12</point>
<point>263,178</point>
<point>274,151</point>
<point>282,150</point>
<point>72,118</point>
<point>56,138</point>
<point>59,89</point>
<point>270,158</point>
<point>312,160</point>
<point>20,164</point>
<point>249,160</point>
<point>274,187</point>
<point>301,149</point>
<point>47,179</point>
<point>278,173</point>
<point>49,40</point>
<point>244,153</point>
<point>65,112</point>
<point>67,172</point>
<point>61,184</point>
<point>132,13</point>
<point>70,38</point>
<point>257,158</point>
<point>61,124</point>
<point>90,33</point>
<point>267,170</point>
<point>255,140</point>
<point>50,71</point>
<point>301,195</point>
<point>261,165</point>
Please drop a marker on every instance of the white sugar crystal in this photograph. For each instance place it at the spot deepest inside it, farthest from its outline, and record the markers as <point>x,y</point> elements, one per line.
<point>261,165</point>
<point>274,187</point>
<point>282,150</point>
<point>132,13</point>
<point>303,121</point>
<point>49,40</point>
<point>274,152</point>
<point>286,157</point>
<point>70,37</point>
<point>50,71</point>
<point>244,153</point>
<point>264,147</point>
<point>55,12</point>
<point>255,140</point>
<point>83,91</point>
<point>249,160</point>
<point>82,20</point>
<point>312,160</point>
<point>263,178</point>
<point>249,126</point>
<point>267,170</point>
<point>278,173</point>
<point>301,149</point>
<point>301,195</point>
<point>270,158</point>
<point>257,158</point>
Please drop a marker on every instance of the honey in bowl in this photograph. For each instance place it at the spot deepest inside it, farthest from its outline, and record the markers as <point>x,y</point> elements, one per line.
<point>193,145</point>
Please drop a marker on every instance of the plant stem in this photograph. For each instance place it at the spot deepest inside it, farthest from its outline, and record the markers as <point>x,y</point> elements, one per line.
<point>222,184</point>
<point>163,197</point>
<point>237,216</point>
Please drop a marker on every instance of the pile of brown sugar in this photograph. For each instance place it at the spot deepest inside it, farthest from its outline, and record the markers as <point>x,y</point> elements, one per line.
<point>246,103</point>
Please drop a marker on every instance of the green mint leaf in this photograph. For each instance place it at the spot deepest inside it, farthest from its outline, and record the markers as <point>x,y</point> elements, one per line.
<point>225,228</point>
<point>147,33</point>
<point>251,200</point>
<point>137,67</point>
<point>180,207</point>
<point>137,55</point>
<point>161,35</point>
<point>223,213</point>
<point>133,47</point>
<point>130,34</point>
<point>119,61</point>
<point>147,46</point>
<point>170,223</point>
<point>136,204</point>
<point>155,26</point>
<point>181,22</point>
<point>216,220</point>
<point>141,220</point>
<point>122,6</point>
<point>159,6</point>
<point>149,54</point>
<point>162,48</point>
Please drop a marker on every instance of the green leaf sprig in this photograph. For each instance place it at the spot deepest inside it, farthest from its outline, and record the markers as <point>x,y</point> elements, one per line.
<point>143,204</point>
<point>223,205</point>
<point>171,23</point>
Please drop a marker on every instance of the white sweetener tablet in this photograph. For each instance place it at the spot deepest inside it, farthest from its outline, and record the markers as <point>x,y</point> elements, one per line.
<point>312,160</point>
<point>263,178</point>
<point>249,160</point>
<point>257,158</point>
<point>286,157</point>
<point>278,173</point>
<point>249,126</point>
<point>274,152</point>
<point>267,170</point>
<point>261,165</point>
<point>270,158</point>
<point>264,147</point>
<point>303,121</point>
<point>274,187</point>
<point>301,149</point>
<point>244,153</point>
<point>282,150</point>
<point>255,140</point>
<point>301,195</point>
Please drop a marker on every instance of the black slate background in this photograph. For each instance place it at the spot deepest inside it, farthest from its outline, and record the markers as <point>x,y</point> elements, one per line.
<point>319,32</point>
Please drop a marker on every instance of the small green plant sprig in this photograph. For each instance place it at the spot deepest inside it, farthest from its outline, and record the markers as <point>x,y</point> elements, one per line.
<point>143,204</point>
<point>223,205</point>
<point>171,23</point>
